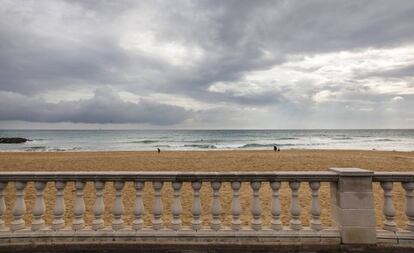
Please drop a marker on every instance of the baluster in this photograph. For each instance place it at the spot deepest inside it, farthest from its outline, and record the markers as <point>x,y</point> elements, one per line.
<point>2,205</point>
<point>158,207</point>
<point>315,222</point>
<point>295,222</point>
<point>139,206</point>
<point>39,207</point>
<point>79,208</point>
<point>196,208</point>
<point>388,210</point>
<point>176,208</point>
<point>118,208</point>
<point>276,209</point>
<point>409,204</point>
<point>19,208</point>
<point>235,206</point>
<point>256,210</point>
<point>99,206</point>
<point>215,207</point>
<point>59,210</point>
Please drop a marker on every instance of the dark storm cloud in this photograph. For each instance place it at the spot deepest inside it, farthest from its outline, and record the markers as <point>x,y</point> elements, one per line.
<point>57,45</point>
<point>105,107</point>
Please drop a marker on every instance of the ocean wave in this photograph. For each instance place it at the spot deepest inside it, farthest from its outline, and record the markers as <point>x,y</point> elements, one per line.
<point>257,145</point>
<point>209,146</point>
<point>162,146</point>
<point>385,139</point>
<point>36,148</point>
<point>50,149</point>
<point>144,141</point>
<point>58,149</point>
<point>206,140</point>
<point>287,138</point>
<point>341,138</point>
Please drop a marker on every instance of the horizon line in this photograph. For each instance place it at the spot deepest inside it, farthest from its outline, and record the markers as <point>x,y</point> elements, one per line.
<point>193,129</point>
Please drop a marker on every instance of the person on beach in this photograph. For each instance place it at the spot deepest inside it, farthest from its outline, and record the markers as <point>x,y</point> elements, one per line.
<point>158,150</point>
<point>275,148</point>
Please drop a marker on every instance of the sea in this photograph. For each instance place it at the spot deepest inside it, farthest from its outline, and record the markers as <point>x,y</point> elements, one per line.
<point>130,140</point>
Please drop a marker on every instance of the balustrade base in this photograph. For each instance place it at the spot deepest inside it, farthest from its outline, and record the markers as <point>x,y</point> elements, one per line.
<point>186,236</point>
<point>285,236</point>
<point>205,240</point>
<point>169,240</point>
<point>245,230</point>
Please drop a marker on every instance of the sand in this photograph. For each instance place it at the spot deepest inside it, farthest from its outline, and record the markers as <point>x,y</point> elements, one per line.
<point>286,160</point>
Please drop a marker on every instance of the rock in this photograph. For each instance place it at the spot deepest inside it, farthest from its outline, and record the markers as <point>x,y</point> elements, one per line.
<point>10,140</point>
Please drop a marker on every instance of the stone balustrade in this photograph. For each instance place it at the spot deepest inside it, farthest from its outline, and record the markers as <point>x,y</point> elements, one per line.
<point>351,204</point>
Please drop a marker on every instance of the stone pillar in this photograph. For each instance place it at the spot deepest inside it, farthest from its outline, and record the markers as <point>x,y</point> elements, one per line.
<point>39,208</point>
<point>256,211</point>
<point>2,205</point>
<point>157,208</point>
<point>139,206</point>
<point>176,208</point>
<point>118,208</point>
<point>409,204</point>
<point>196,208</point>
<point>352,204</point>
<point>295,222</point>
<point>276,209</point>
<point>388,209</point>
<point>315,222</point>
<point>216,207</point>
<point>19,209</point>
<point>99,206</point>
<point>59,210</point>
<point>79,207</point>
<point>235,206</point>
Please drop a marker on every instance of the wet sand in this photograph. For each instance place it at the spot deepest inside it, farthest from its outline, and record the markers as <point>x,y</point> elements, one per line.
<point>286,160</point>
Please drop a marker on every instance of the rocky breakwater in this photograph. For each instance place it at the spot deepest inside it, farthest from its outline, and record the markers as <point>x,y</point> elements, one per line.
<point>13,140</point>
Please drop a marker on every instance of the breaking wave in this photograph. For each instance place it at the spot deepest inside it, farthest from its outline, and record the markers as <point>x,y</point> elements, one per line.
<point>341,138</point>
<point>257,145</point>
<point>144,141</point>
<point>50,149</point>
<point>206,146</point>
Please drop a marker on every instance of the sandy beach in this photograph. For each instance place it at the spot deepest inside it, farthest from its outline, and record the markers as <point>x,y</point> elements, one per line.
<point>286,160</point>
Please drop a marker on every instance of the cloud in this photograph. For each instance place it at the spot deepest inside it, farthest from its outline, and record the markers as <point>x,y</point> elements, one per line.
<point>279,57</point>
<point>397,98</point>
<point>403,71</point>
<point>105,107</point>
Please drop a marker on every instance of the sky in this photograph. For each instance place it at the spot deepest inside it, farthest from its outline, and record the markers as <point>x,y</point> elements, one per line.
<point>206,64</point>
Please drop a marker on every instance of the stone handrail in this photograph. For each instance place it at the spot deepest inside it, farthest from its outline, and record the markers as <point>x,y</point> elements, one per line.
<point>393,176</point>
<point>352,208</point>
<point>170,176</point>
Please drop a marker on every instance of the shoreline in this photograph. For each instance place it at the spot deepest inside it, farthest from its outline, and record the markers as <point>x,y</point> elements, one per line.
<point>204,150</point>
